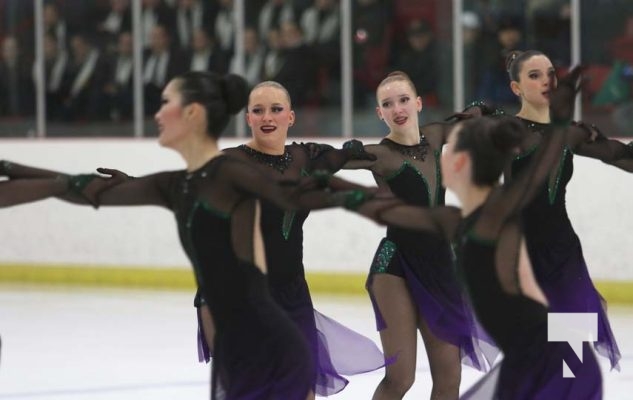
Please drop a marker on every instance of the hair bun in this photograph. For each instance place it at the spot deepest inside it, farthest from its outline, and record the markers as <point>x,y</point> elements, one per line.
<point>235,92</point>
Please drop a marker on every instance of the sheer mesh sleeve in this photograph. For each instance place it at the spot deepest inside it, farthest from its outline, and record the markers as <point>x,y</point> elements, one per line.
<point>155,189</point>
<point>587,140</point>
<point>305,193</point>
<point>625,164</point>
<point>18,171</point>
<point>20,191</point>
<point>441,221</point>
<point>437,132</point>
<point>324,157</point>
<point>364,163</point>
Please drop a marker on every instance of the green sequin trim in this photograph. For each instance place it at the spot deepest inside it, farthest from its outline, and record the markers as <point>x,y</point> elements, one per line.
<point>477,239</point>
<point>406,164</point>
<point>289,216</point>
<point>383,257</point>
<point>553,192</point>
<point>77,183</point>
<point>286,225</point>
<point>527,152</point>
<point>212,210</point>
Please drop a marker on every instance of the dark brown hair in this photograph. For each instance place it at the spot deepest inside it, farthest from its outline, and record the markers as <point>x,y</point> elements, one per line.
<point>515,60</point>
<point>221,96</point>
<point>491,143</point>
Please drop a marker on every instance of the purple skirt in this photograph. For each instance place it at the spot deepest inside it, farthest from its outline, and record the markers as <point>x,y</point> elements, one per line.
<point>260,354</point>
<point>537,374</point>
<point>440,301</point>
<point>562,273</point>
<point>336,349</point>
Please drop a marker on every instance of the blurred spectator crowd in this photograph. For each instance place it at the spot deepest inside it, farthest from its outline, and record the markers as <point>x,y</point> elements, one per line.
<point>88,49</point>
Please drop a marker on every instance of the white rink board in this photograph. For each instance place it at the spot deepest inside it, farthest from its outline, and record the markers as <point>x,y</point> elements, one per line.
<point>54,232</point>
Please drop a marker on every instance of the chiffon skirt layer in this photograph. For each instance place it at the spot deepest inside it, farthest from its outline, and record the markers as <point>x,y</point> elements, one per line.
<point>335,349</point>
<point>259,354</point>
<point>440,301</point>
<point>561,271</point>
<point>536,373</point>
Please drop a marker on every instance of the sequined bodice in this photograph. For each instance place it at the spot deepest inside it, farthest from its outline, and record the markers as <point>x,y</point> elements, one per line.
<point>230,284</point>
<point>546,216</point>
<point>278,162</point>
<point>409,183</point>
<point>282,230</point>
<point>414,152</point>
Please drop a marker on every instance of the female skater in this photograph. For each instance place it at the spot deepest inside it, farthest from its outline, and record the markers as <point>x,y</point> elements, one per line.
<point>258,352</point>
<point>554,247</point>
<point>492,258</point>
<point>269,115</point>
<point>411,283</point>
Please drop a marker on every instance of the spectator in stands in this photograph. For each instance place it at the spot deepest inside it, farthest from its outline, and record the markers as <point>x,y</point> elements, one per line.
<point>16,86</point>
<point>321,24</point>
<point>192,15</point>
<point>473,43</point>
<point>622,50</point>
<point>297,70</point>
<point>205,55</point>
<point>118,19</point>
<point>254,54</point>
<point>494,83</point>
<point>273,14</point>
<point>551,31</point>
<point>55,65</point>
<point>55,25</point>
<point>622,45</point>
<point>370,25</point>
<point>272,60</point>
<point>86,76</point>
<point>119,85</point>
<point>419,60</point>
<point>225,27</point>
<point>162,63</point>
<point>155,12</point>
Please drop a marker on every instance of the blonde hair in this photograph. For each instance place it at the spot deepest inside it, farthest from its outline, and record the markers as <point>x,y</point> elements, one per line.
<point>397,76</point>
<point>272,84</point>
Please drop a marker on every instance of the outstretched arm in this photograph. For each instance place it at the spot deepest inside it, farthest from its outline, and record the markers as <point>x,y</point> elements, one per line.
<point>115,189</point>
<point>153,189</point>
<point>326,157</point>
<point>22,191</point>
<point>589,141</point>
<point>82,188</point>
<point>441,221</point>
<point>320,190</point>
<point>625,164</point>
<point>19,171</point>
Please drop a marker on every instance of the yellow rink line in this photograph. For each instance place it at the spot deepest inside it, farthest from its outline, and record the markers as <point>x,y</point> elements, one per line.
<point>615,292</point>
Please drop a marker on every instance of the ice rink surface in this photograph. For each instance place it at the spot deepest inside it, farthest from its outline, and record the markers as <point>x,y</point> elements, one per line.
<point>116,344</point>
